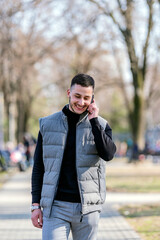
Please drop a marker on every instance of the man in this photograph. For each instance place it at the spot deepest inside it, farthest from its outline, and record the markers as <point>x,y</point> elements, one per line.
<point>68,179</point>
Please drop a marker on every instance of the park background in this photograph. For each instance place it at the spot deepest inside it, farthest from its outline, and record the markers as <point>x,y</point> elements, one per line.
<point>44,43</point>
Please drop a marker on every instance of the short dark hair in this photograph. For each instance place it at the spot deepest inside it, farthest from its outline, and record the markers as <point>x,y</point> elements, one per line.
<point>84,80</point>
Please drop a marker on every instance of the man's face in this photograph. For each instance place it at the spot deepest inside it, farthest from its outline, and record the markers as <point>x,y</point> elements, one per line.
<point>79,98</point>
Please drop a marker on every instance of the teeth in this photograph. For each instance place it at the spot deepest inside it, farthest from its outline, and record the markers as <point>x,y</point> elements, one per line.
<point>79,107</point>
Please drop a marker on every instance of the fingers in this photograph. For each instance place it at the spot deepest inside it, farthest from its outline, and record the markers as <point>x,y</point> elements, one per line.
<point>41,220</point>
<point>93,108</point>
<point>37,218</point>
<point>93,112</point>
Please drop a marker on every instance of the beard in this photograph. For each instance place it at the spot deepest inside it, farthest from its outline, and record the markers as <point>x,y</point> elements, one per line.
<point>71,107</point>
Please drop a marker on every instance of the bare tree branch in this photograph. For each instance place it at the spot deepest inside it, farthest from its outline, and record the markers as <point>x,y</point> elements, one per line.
<point>127,34</point>
<point>120,7</point>
<point>107,13</point>
<point>150,24</point>
<point>113,83</point>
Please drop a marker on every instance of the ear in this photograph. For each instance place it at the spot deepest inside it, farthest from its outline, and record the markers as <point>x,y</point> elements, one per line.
<point>68,92</point>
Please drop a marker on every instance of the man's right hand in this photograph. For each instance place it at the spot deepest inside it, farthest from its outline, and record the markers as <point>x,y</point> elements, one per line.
<point>37,218</point>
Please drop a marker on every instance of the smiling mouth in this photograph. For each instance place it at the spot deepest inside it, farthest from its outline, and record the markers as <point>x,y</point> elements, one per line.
<point>79,108</point>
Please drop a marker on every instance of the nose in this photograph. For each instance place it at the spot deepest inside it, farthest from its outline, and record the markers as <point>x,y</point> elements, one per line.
<point>81,102</point>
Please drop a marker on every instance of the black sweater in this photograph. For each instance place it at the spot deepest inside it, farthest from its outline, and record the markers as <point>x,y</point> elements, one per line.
<point>68,186</point>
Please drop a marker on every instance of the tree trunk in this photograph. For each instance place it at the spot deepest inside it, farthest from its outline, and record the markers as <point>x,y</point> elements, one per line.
<point>138,120</point>
<point>20,121</point>
<point>137,116</point>
<point>27,115</point>
<point>23,115</point>
<point>6,119</point>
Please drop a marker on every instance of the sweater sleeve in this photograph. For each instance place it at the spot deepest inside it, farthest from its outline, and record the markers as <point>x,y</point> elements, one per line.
<point>103,140</point>
<point>38,171</point>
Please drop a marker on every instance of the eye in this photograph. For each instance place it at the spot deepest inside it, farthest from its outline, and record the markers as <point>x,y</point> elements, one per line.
<point>77,96</point>
<point>86,98</point>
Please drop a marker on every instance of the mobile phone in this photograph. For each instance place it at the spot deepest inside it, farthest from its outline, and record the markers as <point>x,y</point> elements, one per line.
<point>91,101</point>
<point>92,98</point>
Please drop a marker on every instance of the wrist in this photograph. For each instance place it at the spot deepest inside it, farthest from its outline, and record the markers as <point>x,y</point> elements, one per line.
<point>94,121</point>
<point>35,207</point>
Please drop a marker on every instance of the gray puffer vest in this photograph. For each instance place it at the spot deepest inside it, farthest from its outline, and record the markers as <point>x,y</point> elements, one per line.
<point>90,167</point>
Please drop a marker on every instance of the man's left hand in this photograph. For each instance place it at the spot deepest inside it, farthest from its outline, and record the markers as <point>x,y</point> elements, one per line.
<point>93,110</point>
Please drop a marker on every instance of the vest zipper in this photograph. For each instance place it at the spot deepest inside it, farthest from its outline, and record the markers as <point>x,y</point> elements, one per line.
<point>77,177</point>
<point>98,171</point>
<point>81,217</point>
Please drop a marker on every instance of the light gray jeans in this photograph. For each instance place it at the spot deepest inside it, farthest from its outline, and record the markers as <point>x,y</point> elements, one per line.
<point>66,217</point>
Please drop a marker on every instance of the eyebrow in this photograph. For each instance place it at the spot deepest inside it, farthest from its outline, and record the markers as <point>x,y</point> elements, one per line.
<point>81,95</point>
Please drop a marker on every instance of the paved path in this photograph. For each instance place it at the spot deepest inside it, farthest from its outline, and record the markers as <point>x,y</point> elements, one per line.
<point>15,223</point>
<point>132,198</point>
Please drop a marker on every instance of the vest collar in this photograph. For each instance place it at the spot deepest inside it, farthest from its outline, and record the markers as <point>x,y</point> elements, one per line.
<point>83,116</point>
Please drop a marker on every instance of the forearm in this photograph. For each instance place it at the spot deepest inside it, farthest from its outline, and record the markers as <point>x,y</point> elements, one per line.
<point>103,140</point>
<point>38,172</point>
<point>37,180</point>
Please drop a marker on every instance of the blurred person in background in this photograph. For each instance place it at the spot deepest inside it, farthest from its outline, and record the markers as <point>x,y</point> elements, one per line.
<point>29,143</point>
<point>26,142</point>
<point>68,178</point>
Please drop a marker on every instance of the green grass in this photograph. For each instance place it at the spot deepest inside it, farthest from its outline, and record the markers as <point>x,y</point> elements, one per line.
<point>144,178</point>
<point>144,219</point>
<point>148,184</point>
<point>132,211</point>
